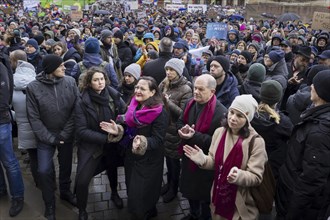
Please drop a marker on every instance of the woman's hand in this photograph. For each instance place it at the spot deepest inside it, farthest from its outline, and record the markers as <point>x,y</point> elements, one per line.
<point>110,127</point>
<point>195,154</point>
<point>186,132</point>
<point>233,175</point>
<point>139,145</point>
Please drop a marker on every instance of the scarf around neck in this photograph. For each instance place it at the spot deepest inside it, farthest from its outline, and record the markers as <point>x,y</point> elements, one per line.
<point>135,117</point>
<point>224,193</point>
<point>203,123</point>
<point>102,101</point>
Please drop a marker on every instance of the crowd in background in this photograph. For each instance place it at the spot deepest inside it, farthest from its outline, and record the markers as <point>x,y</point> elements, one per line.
<point>133,92</point>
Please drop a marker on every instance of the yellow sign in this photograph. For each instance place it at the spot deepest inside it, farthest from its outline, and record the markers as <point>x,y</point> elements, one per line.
<point>76,15</point>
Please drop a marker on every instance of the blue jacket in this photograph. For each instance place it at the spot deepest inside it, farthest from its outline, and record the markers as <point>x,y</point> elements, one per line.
<point>228,91</point>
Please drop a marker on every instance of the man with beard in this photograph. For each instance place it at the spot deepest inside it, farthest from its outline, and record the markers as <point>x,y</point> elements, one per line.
<point>109,52</point>
<point>139,33</point>
<point>226,89</point>
<point>297,72</point>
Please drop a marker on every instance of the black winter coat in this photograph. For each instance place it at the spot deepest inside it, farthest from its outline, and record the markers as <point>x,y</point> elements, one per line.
<point>276,137</point>
<point>125,55</point>
<point>251,87</point>
<point>144,174</point>
<point>196,185</point>
<point>50,107</point>
<point>306,173</point>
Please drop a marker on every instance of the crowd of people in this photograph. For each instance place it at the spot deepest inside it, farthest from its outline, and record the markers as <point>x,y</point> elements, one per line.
<point>134,92</point>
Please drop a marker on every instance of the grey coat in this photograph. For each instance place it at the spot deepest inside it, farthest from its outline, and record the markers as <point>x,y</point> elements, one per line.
<point>25,73</point>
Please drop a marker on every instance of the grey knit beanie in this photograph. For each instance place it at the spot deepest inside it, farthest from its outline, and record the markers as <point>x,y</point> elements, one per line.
<point>175,64</point>
<point>256,72</point>
<point>105,34</point>
<point>271,92</point>
<point>133,69</point>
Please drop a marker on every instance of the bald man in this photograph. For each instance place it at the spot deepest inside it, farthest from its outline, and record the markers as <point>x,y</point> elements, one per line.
<point>201,116</point>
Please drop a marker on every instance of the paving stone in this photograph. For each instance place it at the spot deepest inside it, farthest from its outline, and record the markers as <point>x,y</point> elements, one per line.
<point>94,197</point>
<point>97,189</point>
<point>100,206</point>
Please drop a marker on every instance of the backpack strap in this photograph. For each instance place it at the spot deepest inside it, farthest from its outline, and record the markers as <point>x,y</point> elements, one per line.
<point>251,143</point>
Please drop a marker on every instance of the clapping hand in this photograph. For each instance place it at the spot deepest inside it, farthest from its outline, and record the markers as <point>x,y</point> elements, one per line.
<point>110,127</point>
<point>186,132</point>
<point>233,175</point>
<point>195,154</point>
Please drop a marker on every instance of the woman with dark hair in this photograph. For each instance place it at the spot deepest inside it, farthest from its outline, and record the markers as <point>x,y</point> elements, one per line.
<point>236,169</point>
<point>96,148</point>
<point>146,121</point>
<point>69,56</point>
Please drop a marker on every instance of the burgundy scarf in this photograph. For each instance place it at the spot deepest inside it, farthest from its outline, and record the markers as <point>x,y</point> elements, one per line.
<point>224,193</point>
<point>140,117</point>
<point>203,123</point>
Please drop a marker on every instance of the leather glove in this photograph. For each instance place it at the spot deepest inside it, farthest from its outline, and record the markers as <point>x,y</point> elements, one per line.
<point>58,140</point>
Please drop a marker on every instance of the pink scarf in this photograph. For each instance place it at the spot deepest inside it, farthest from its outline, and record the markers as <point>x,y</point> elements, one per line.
<point>203,123</point>
<point>140,117</point>
<point>224,193</point>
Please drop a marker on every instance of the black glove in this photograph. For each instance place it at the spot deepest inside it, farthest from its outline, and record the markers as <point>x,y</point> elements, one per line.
<point>58,140</point>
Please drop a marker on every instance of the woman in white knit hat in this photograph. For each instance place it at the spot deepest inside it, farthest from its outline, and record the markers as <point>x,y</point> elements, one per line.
<point>176,90</point>
<point>235,170</point>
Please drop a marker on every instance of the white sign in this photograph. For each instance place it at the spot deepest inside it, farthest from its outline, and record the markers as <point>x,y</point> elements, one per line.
<point>141,14</point>
<point>172,7</point>
<point>195,8</point>
<point>176,2</point>
<point>197,53</point>
<point>133,5</point>
<point>30,3</point>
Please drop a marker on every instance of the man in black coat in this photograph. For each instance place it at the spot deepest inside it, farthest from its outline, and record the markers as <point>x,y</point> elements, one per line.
<point>124,52</point>
<point>195,128</point>
<point>303,187</point>
<point>155,68</point>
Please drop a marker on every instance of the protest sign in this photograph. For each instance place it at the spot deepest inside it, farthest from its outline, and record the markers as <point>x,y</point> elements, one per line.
<point>141,14</point>
<point>171,7</point>
<point>321,21</point>
<point>197,53</point>
<point>194,8</point>
<point>30,3</point>
<point>176,2</point>
<point>212,13</point>
<point>216,30</point>
<point>76,15</point>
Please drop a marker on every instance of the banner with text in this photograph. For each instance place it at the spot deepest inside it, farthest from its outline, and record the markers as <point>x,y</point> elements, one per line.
<point>172,7</point>
<point>216,30</point>
<point>195,8</point>
<point>321,21</point>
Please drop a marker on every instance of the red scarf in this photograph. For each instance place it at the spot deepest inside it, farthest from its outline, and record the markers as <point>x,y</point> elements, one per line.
<point>203,123</point>
<point>140,117</point>
<point>224,193</point>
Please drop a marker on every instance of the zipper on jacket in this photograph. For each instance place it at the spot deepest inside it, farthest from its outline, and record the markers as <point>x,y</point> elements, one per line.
<point>55,90</point>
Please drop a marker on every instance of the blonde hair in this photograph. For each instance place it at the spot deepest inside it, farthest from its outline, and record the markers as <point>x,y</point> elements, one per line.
<point>263,107</point>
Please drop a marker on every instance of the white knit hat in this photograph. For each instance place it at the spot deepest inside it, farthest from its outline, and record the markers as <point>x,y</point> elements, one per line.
<point>245,104</point>
<point>133,69</point>
<point>175,64</point>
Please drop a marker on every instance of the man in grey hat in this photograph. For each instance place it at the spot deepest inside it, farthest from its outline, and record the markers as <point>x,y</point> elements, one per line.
<point>109,52</point>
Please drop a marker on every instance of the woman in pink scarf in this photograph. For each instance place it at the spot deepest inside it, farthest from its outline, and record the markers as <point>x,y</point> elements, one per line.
<point>146,122</point>
<point>235,170</point>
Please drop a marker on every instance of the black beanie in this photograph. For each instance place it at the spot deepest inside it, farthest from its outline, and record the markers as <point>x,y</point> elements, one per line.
<point>51,62</point>
<point>39,38</point>
<point>224,62</point>
<point>321,84</point>
<point>247,55</point>
<point>118,34</point>
<point>311,73</point>
<point>271,92</point>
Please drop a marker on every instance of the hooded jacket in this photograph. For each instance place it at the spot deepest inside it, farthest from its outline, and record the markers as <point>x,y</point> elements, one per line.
<point>228,90</point>
<point>24,74</point>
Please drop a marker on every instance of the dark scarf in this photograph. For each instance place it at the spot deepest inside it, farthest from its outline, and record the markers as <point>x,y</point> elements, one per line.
<point>32,56</point>
<point>203,123</point>
<point>102,102</point>
<point>243,68</point>
<point>224,193</point>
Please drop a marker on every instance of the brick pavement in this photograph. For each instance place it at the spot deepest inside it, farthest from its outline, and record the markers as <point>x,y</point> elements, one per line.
<point>100,207</point>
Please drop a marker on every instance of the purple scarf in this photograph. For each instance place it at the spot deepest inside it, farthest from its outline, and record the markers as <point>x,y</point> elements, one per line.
<point>140,117</point>
<point>224,193</point>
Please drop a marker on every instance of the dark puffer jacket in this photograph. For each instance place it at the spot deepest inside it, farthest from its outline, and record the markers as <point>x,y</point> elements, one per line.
<point>50,107</point>
<point>303,187</point>
<point>179,92</point>
<point>251,87</point>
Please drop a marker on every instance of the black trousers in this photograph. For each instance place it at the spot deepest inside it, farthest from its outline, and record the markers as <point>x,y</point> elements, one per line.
<point>173,173</point>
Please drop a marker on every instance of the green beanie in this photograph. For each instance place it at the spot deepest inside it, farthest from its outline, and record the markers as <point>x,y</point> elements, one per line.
<point>271,92</point>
